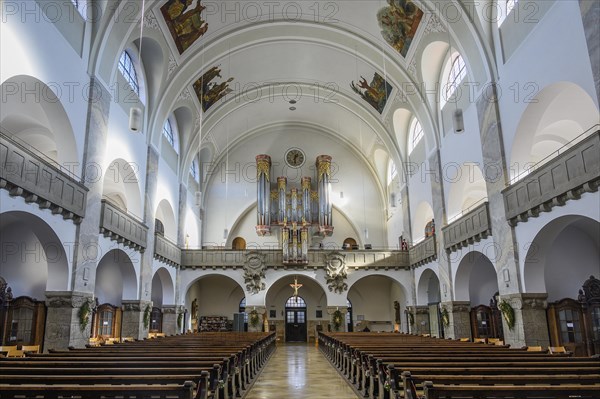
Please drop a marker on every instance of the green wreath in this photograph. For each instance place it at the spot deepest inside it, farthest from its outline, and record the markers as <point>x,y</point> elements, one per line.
<point>253,318</point>
<point>84,315</point>
<point>445,317</point>
<point>337,320</point>
<point>179,320</point>
<point>411,319</point>
<point>147,312</point>
<point>508,312</point>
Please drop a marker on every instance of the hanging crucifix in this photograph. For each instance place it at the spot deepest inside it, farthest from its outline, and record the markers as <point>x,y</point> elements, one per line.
<point>296,287</point>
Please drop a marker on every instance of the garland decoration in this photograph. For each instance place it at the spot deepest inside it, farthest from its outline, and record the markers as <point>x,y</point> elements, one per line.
<point>445,317</point>
<point>179,320</point>
<point>84,315</point>
<point>508,312</point>
<point>411,319</point>
<point>147,316</point>
<point>253,318</point>
<point>337,320</point>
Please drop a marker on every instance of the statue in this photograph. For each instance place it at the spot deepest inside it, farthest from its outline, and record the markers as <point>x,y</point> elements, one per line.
<point>397,312</point>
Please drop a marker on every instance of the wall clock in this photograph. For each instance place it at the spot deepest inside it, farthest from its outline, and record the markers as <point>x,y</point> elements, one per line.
<point>294,157</point>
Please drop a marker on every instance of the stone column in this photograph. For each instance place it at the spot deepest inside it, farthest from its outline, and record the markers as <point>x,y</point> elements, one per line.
<point>422,320</point>
<point>331,310</point>
<point>170,315</point>
<point>63,328</point>
<point>86,252</point>
<point>459,318</point>
<point>132,323</point>
<point>531,324</point>
<point>590,15</point>
<point>439,215</point>
<point>150,199</point>
<point>496,176</point>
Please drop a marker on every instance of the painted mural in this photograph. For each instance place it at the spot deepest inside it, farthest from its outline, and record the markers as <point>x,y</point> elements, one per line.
<point>210,92</point>
<point>375,93</point>
<point>399,22</point>
<point>184,19</point>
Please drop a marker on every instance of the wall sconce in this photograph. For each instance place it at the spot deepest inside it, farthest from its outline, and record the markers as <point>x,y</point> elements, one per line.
<point>225,234</point>
<point>506,275</point>
<point>445,288</point>
<point>135,119</point>
<point>459,122</point>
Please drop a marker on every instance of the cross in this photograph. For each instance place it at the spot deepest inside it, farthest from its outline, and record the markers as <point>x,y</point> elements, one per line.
<point>296,286</point>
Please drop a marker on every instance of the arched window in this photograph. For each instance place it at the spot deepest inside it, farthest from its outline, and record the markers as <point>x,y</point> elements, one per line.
<point>80,6</point>
<point>505,8</point>
<point>458,71</point>
<point>295,302</point>
<point>171,135</point>
<point>194,171</point>
<point>416,134</point>
<point>127,69</point>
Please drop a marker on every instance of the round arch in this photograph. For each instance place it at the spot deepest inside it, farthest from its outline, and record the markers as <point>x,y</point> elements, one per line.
<point>33,257</point>
<point>121,187</point>
<point>42,124</point>
<point>164,213</point>
<point>556,116</point>
<point>372,297</point>
<point>116,278</point>
<point>163,289</point>
<point>428,288</point>
<point>549,264</point>
<point>476,279</point>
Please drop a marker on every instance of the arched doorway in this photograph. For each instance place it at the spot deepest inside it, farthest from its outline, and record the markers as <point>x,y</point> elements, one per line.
<point>349,243</point>
<point>561,258</point>
<point>428,294</point>
<point>476,281</point>
<point>238,244</point>
<point>295,319</point>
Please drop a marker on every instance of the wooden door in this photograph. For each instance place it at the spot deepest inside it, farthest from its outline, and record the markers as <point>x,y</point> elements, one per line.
<point>25,322</point>
<point>295,325</point>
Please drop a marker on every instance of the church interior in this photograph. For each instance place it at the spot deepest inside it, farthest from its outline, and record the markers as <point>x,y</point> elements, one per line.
<point>306,185</point>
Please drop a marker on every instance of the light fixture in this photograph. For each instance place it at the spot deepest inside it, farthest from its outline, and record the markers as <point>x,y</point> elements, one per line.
<point>292,108</point>
<point>292,101</point>
<point>459,122</point>
<point>135,119</point>
<point>135,113</point>
<point>225,233</point>
<point>341,195</point>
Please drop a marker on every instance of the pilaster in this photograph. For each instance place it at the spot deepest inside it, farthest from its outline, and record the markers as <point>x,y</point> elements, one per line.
<point>149,206</point>
<point>531,324</point>
<point>86,253</point>
<point>132,324</point>
<point>496,177</point>
<point>421,315</point>
<point>63,328</point>
<point>439,215</point>
<point>459,319</point>
<point>170,315</point>
<point>262,315</point>
<point>590,16</point>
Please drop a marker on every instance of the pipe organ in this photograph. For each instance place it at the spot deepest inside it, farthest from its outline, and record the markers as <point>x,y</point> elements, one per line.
<point>297,212</point>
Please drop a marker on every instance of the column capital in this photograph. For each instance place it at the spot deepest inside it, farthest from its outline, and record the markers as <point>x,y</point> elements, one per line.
<point>527,300</point>
<point>456,306</point>
<point>331,309</point>
<point>67,299</point>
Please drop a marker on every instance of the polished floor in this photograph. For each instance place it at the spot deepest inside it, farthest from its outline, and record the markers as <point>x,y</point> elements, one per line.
<point>299,371</point>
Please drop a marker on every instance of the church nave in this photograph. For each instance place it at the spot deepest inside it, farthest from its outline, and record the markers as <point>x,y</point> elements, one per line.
<point>298,371</point>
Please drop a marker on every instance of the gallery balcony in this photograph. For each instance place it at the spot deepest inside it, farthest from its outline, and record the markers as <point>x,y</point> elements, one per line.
<point>119,226</point>
<point>166,251</point>
<point>565,175</point>
<point>423,252</point>
<point>472,226</point>
<point>273,259</point>
<point>28,173</point>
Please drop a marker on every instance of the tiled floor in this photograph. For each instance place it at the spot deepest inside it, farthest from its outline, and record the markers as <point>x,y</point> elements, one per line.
<point>299,371</point>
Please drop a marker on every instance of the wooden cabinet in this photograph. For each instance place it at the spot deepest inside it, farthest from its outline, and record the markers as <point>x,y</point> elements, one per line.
<point>107,321</point>
<point>24,322</point>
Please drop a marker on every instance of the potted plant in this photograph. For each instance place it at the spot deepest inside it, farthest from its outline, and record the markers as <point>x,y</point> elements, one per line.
<point>337,320</point>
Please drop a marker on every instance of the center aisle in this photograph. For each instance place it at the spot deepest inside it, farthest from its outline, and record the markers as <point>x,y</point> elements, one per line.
<point>299,371</point>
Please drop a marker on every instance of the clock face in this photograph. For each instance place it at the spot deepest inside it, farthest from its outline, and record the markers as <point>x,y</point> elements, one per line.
<point>294,157</point>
